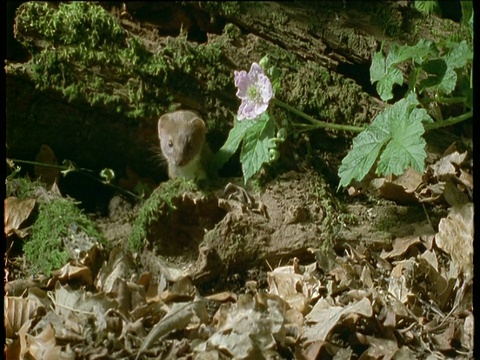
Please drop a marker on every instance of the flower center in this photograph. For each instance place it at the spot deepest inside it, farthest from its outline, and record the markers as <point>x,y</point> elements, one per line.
<point>253,93</point>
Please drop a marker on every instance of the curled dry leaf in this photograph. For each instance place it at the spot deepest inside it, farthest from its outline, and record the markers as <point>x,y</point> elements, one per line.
<point>400,189</point>
<point>448,164</point>
<point>16,212</point>
<point>177,318</point>
<point>71,272</point>
<point>248,329</point>
<point>17,312</point>
<point>44,346</point>
<point>455,236</point>
<point>119,265</point>
<point>324,317</point>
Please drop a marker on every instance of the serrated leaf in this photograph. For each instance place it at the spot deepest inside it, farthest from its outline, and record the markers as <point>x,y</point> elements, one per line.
<point>385,85</point>
<point>386,76</point>
<point>449,82</point>
<point>459,54</point>
<point>417,52</point>
<point>234,139</point>
<point>399,128</point>
<point>406,147</point>
<point>384,71</point>
<point>360,159</point>
<point>377,68</point>
<point>428,7</point>
<point>256,145</point>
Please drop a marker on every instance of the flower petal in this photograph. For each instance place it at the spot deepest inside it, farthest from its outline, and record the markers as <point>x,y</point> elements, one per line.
<point>255,90</point>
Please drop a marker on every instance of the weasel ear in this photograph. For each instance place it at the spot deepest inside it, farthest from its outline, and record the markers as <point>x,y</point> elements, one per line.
<point>162,122</point>
<point>199,124</point>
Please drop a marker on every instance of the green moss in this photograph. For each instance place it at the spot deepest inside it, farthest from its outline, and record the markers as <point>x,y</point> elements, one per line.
<point>226,8</point>
<point>392,217</point>
<point>81,51</point>
<point>232,31</point>
<point>326,95</point>
<point>19,187</point>
<point>158,204</point>
<point>58,219</point>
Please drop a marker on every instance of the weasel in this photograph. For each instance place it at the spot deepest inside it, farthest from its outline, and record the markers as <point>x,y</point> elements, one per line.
<point>182,140</point>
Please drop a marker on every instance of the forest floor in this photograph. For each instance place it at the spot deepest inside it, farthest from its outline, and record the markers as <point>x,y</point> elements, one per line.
<point>281,272</point>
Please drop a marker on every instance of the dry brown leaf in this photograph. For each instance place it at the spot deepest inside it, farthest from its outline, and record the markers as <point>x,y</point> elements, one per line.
<point>324,317</point>
<point>43,346</point>
<point>249,328</point>
<point>401,246</point>
<point>82,248</point>
<point>466,179</point>
<point>400,280</point>
<point>468,332</point>
<point>177,318</point>
<point>71,272</point>
<point>443,339</point>
<point>16,212</point>
<point>402,189</point>
<point>319,350</point>
<point>119,265</point>
<point>448,164</point>
<point>455,237</point>
<point>430,192</point>
<point>380,348</point>
<point>18,311</point>
<point>182,290</point>
<point>453,195</point>
<point>439,288</point>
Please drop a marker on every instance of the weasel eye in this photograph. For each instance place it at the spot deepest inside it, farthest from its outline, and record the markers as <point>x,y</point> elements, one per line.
<point>170,143</point>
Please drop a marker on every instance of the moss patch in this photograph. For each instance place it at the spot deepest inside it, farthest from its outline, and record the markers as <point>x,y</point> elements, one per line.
<point>158,204</point>
<point>57,220</point>
<point>82,51</point>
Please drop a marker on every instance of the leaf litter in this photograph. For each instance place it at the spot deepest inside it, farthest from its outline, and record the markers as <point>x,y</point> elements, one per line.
<point>412,299</point>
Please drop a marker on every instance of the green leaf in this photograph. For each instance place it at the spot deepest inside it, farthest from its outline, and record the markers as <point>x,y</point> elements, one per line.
<point>234,139</point>
<point>398,130</point>
<point>441,72</point>
<point>256,145</point>
<point>360,159</point>
<point>428,7</point>
<point>417,52</point>
<point>436,70</point>
<point>406,147</point>
<point>384,71</point>
<point>386,76</point>
<point>459,54</point>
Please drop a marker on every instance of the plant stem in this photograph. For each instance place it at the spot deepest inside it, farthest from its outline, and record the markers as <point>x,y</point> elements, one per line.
<point>86,172</point>
<point>452,100</point>
<point>317,123</point>
<point>450,121</point>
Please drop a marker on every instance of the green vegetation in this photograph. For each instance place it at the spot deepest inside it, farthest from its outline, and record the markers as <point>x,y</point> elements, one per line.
<point>20,187</point>
<point>440,76</point>
<point>158,204</point>
<point>57,219</point>
<point>81,51</point>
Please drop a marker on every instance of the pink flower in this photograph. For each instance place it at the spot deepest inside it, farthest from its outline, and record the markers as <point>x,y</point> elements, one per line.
<point>255,91</point>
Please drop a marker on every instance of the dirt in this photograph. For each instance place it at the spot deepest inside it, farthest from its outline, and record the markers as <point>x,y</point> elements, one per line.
<point>238,230</point>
